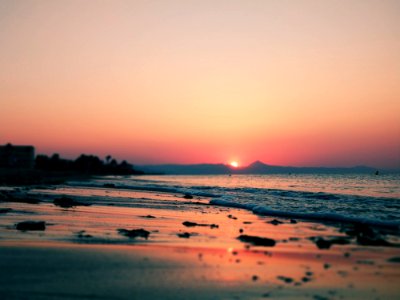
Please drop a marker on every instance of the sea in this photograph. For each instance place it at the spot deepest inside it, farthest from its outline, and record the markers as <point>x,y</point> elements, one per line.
<point>366,198</point>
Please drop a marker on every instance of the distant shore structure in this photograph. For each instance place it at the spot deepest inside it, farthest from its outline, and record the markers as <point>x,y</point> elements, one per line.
<point>20,157</point>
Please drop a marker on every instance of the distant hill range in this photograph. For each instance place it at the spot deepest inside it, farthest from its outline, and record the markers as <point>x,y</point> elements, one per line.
<point>256,167</point>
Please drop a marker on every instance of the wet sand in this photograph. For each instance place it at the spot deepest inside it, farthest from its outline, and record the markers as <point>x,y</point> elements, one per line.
<point>82,255</point>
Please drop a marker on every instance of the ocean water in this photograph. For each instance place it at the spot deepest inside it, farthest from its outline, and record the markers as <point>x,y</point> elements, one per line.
<point>363,198</point>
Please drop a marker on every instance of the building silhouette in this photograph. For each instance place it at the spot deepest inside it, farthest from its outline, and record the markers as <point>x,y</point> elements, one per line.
<point>19,157</point>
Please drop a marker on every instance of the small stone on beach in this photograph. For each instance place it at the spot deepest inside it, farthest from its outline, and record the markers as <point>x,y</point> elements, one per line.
<point>285,279</point>
<point>134,233</point>
<point>184,235</point>
<point>275,222</point>
<point>82,234</point>
<point>149,217</point>
<point>394,259</point>
<point>257,241</point>
<point>66,202</point>
<point>190,224</point>
<point>193,224</point>
<point>31,225</point>
<point>322,243</point>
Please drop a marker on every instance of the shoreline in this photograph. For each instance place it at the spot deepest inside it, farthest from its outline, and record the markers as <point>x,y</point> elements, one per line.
<point>84,244</point>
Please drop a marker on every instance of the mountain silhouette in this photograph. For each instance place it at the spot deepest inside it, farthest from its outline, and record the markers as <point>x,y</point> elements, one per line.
<point>257,167</point>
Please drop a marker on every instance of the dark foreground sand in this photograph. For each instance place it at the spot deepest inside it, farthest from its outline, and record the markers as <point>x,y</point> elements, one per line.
<point>104,272</point>
<point>180,262</point>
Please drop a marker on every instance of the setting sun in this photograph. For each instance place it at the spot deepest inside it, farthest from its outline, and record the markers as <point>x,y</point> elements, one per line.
<point>234,164</point>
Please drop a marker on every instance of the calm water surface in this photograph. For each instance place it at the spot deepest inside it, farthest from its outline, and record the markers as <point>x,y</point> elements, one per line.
<point>353,184</point>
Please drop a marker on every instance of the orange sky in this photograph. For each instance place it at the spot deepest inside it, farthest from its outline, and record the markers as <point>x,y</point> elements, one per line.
<point>300,83</point>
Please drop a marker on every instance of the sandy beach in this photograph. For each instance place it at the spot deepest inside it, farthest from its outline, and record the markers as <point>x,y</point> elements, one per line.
<point>190,250</point>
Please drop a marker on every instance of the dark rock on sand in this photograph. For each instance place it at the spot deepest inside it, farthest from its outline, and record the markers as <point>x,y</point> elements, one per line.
<point>256,240</point>
<point>323,244</point>
<point>184,235</point>
<point>190,224</point>
<point>306,279</point>
<point>149,217</point>
<point>188,196</point>
<point>309,273</point>
<point>293,221</point>
<point>394,259</point>
<point>134,233</point>
<point>66,202</point>
<point>193,224</point>
<point>374,241</point>
<point>358,229</point>
<point>367,236</point>
<point>232,217</point>
<point>82,234</point>
<point>31,225</point>
<point>285,279</point>
<point>353,229</point>
<point>326,244</point>
<point>275,222</point>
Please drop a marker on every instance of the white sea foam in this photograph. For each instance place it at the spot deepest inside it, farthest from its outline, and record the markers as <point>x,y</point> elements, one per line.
<point>325,217</point>
<point>341,198</point>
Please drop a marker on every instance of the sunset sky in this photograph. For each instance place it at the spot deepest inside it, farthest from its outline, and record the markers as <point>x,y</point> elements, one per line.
<point>303,83</point>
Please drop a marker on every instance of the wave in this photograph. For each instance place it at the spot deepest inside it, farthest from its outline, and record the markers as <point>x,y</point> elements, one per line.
<point>149,188</point>
<point>322,216</point>
<point>220,191</point>
<point>319,206</point>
